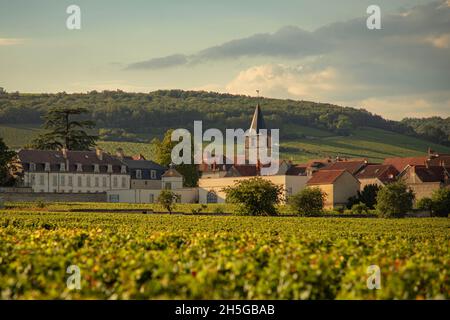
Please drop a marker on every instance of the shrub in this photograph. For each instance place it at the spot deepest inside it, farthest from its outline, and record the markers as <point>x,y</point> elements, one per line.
<point>2,203</point>
<point>308,202</point>
<point>367,196</point>
<point>441,202</point>
<point>255,196</point>
<point>394,200</point>
<point>425,204</point>
<point>40,204</point>
<point>167,199</point>
<point>360,208</point>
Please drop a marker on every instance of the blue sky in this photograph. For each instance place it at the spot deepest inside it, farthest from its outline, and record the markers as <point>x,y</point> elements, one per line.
<point>310,50</point>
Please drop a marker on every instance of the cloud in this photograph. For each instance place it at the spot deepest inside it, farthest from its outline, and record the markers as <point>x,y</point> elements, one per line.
<point>10,41</point>
<point>160,63</point>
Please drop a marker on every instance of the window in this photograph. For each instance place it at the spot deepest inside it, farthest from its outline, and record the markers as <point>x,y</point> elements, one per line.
<point>167,185</point>
<point>88,181</point>
<point>32,179</point>
<point>153,174</point>
<point>151,198</point>
<point>110,170</point>
<point>124,182</point>
<point>138,174</point>
<point>47,166</point>
<point>115,182</point>
<point>113,198</point>
<point>211,197</point>
<point>41,180</point>
<point>97,182</point>
<point>32,166</point>
<point>55,180</point>
<point>62,167</point>
<point>63,181</point>
<point>96,168</point>
<point>80,182</point>
<point>104,181</point>
<point>79,167</point>
<point>70,182</point>
<point>123,169</point>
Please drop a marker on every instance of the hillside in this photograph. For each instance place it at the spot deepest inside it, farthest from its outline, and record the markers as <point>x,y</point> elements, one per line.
<point>131,120</point>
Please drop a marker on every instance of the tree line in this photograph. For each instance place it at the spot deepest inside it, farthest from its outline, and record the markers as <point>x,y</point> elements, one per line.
<point>158,111</point>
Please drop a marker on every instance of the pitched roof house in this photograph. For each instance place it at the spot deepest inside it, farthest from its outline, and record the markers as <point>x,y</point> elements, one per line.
<point>338,185</point>
<point>352,166</point>
<point>377,174</point>
<point>424,180</point>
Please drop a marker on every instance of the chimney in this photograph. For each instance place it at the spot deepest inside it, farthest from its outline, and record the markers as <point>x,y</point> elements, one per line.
<point>99,153</point>
<point>119,153</point>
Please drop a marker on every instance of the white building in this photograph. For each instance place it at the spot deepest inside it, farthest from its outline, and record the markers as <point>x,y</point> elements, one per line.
<point>72,171</point>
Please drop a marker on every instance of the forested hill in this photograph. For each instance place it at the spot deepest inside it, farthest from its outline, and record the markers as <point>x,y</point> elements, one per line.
<point>121,113</point>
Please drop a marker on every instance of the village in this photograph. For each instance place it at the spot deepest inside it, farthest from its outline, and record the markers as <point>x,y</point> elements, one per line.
<point>96,175</point>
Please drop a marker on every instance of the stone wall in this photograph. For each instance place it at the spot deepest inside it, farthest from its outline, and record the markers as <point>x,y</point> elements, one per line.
<point>53,197</point>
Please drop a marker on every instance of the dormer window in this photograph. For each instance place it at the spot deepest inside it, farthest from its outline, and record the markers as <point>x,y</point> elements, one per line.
<point>32,166</point>
<point>79,167</point>
<point>153,174</point>
<point>62,167</point>
<point>110,170</point>
<point>47,166</point>
<point>123,169</point>
<point>138,174</point>
<point>96,168</point>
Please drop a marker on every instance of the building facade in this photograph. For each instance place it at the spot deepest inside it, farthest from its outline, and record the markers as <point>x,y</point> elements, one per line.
<point>68,171</point>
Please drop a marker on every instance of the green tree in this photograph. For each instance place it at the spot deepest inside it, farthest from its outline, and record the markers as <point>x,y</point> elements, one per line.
<point>167,199</point>
<point>394,200</point>
<point>308,202</point>
<point>441,202</point>
<point>255,196</point>
<point>64,132</point>
<point>367,196</point>
<point>163,155</point>
<point>6,158</point>
<point>425,204</point>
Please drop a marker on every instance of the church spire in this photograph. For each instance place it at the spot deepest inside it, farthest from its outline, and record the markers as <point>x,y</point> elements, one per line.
<point>258,119</point>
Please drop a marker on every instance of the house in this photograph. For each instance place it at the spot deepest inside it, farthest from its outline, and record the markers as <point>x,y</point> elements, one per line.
<point>171,180</point>
<point>352,166</point>
<point>212,190</point>
<point>433,159</point>
<point>338,185</point>
<point>423,180</point>
<point>67,171</point>
<point>144,174</point>
<point>377,174</point>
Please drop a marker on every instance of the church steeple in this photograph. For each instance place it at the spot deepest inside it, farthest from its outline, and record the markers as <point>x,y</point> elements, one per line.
<point>258,120</point>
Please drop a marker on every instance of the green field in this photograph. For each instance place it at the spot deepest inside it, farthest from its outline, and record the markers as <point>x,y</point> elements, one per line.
<point>136,256</point>
<point>371,143</point>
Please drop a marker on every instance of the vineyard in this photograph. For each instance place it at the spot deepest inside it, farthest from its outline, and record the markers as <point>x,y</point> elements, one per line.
<point>149,256</point>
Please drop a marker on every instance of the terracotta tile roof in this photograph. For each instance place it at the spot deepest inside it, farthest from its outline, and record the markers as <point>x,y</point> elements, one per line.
<point>431,174</point>
<point>296,170</point>
<point>325,177</point>
<point>383,172</point>
<point>243,170</point>
<point>401,163</point>
<point>351,166</point>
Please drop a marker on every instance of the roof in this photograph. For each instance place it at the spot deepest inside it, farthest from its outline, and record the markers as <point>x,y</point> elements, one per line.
<point>325,177</point>
<point>351,166</point>
<point>431,174</point>
<point>242,170</point>
<point>258,122</point>
<point>172,173</point>
<point>74,157</point>
<point>143,164</point>
<point>401,163</point>
<point>372,171</point>
<point>296,170</point>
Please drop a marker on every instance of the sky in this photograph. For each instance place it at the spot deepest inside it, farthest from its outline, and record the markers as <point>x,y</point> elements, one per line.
<point>304,50</point>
